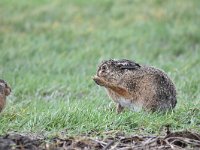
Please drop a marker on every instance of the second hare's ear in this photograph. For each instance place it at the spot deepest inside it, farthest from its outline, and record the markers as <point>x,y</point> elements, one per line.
<point>127,64</point>
<point>135,66</point>
<point>129,67</point>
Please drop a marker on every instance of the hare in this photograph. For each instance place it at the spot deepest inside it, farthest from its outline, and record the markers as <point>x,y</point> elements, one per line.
<point>136,86</point>
<point>4,91</point>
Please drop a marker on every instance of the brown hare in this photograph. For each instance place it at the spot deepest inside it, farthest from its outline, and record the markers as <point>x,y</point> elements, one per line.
<point>4,91</point>
<point>136,86</point>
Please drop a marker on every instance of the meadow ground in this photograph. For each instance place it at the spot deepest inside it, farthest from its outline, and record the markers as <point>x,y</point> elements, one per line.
<point>49,50</point>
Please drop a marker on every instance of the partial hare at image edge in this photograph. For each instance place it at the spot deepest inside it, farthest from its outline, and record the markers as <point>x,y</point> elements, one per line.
<point>4,92</point>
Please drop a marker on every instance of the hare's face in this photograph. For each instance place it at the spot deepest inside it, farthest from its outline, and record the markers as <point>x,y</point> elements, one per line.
<point>112,70</point>
<point>109,70</point>
<point>4,88</point>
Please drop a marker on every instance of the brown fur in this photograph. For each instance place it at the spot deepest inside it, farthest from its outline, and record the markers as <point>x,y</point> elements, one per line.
<point>132,85</point>
<point>4,91</point>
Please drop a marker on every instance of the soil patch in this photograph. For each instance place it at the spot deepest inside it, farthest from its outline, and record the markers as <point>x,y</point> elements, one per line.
<point>175,140</point>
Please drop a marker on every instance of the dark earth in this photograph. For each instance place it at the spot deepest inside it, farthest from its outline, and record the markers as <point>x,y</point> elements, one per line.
<point>175,140</point>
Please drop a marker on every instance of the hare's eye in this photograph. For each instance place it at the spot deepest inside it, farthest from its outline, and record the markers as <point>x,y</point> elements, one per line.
<point>104,67</point>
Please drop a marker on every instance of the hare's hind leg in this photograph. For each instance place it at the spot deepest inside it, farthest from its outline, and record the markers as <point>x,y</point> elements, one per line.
<point>119,108</point>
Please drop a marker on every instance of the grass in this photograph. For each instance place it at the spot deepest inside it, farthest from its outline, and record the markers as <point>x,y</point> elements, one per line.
<point>50,49</point>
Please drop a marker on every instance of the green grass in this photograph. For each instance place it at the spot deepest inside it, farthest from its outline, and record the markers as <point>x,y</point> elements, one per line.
<point>50,49</point>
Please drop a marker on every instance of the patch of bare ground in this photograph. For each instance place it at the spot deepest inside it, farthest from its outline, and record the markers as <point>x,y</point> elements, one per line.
<point>174,140</point>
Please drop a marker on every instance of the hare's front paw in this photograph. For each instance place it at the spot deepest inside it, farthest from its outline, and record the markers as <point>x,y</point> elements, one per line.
<point>98,80</point>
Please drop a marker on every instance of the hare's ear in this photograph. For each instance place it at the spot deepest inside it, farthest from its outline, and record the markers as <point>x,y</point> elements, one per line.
<point>136,66</point>
<point>127,64</point>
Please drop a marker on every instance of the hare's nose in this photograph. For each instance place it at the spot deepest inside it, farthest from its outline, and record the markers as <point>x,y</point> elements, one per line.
<point>99,73</point>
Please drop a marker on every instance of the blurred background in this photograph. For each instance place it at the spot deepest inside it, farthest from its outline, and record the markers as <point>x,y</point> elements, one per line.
<point>51,49</point>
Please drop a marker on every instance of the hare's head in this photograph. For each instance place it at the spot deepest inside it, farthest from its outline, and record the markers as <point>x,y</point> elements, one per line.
<point>4,88</point>
<point>111,70</point>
